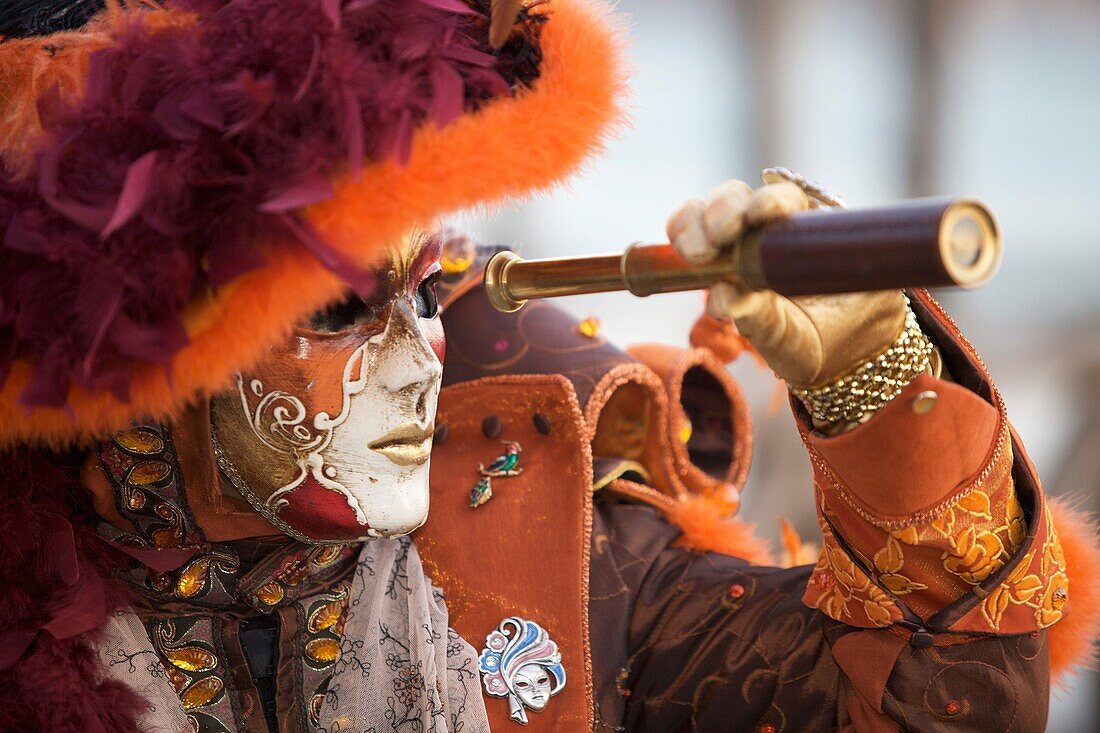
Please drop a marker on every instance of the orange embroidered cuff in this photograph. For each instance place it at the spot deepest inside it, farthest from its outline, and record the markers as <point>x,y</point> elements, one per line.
<point>933,518</point>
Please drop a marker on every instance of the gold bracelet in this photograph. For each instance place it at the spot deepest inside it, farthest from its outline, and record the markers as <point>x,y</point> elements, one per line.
<point>869,387</point>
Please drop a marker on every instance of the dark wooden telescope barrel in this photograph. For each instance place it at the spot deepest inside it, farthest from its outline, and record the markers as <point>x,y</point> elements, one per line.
<point>921,243</point>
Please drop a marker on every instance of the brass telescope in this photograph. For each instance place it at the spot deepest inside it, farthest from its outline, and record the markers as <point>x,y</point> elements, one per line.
<point>919,243</point>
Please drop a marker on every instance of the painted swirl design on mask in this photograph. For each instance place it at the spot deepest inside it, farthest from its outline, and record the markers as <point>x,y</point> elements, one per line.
<point>279,421</point>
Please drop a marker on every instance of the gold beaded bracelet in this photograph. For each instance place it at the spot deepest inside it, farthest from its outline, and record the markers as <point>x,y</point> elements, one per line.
<point>869,387</point>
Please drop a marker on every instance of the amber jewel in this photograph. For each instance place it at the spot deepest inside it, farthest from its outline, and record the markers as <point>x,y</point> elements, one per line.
<point>148,472</point>
<point>140,441</point>
<point>323,650</point>
<point>327,615</point>
<point>270,593</point>
<point>192,658</point>
<point>193,578</point>
<point>201,693</point>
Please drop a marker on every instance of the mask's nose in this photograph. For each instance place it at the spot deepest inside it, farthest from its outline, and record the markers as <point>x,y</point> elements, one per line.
<point>406,365</point>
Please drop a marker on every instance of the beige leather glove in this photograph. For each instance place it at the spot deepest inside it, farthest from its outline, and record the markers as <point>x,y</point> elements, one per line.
<point>808,341</point>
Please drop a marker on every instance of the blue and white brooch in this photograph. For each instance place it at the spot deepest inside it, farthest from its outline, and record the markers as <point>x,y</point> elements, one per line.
<point>522,663</point>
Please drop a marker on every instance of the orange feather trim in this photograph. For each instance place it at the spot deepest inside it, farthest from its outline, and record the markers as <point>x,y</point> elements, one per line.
<point>509,148</point>
<point>1073,639</point>
<point>707,528</point>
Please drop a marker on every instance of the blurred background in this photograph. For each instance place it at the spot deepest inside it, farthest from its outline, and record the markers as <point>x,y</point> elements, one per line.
<point>879,101</point>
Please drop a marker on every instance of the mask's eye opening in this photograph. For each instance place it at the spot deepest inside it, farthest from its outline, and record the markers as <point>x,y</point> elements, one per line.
<point>348,313</point>
<point>427,304</point>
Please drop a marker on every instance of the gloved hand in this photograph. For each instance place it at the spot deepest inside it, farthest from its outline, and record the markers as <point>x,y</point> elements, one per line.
<point>807,341</point>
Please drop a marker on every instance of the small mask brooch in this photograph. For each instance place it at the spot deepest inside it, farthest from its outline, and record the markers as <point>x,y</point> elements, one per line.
<point>522,663</point>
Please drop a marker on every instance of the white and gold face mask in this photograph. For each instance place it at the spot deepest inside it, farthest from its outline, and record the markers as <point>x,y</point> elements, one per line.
<point>329,436</point>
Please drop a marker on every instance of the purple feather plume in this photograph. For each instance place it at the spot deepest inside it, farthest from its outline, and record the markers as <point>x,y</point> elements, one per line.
<point>189,144</point>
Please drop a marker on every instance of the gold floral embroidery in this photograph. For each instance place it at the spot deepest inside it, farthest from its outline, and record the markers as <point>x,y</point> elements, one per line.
<point>843,591</point>
<point>906,536</point>
<point>888,562</point>
<point>877,606</point>
<point>1014,518</point>
<point>976,555</point>
<point>945,524</point>
<point>1053,565</point>
<point>1053,558</point>
<point>1020,588</point>
<point>972,539</point>
<point>975,503</point>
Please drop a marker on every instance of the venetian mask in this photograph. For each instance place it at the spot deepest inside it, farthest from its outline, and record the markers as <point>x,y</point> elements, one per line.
<point>532,686</point>
<point>522,663</point>
<point>329,436</point>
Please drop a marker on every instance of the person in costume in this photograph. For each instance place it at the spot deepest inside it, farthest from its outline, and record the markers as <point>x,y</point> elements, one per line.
<point>224,402</point>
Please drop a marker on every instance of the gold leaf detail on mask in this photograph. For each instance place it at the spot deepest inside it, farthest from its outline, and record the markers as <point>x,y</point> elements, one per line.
<point>136,500</point>
<point>324,651</point>
<point>192,658</point>
<point>201,693</point>
<point>140,441</point>
<point>147,473</point>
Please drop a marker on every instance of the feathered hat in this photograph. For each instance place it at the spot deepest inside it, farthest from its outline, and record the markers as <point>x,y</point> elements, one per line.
<point>181,181</point>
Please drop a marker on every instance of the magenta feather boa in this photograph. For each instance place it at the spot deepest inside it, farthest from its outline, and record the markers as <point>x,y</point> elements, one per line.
<point>56,577</point>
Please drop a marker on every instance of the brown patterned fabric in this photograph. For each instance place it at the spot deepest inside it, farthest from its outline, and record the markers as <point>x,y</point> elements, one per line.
<point>716,644</point>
